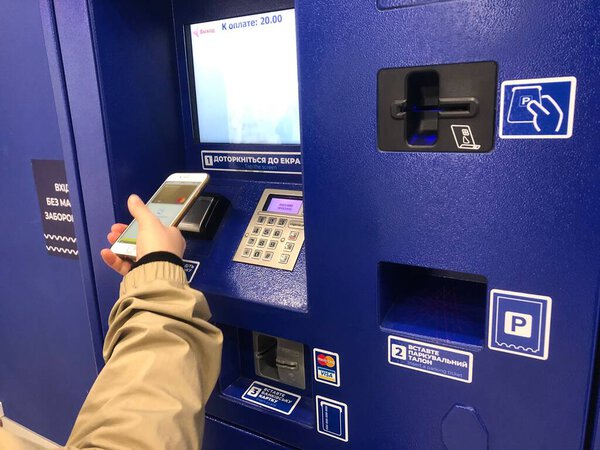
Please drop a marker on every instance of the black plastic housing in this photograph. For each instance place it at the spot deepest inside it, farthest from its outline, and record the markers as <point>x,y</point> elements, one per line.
<point>205,216</point>
<point>444,108</point>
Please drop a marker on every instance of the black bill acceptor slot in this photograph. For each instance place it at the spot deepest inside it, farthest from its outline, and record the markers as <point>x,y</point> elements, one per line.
<point>205,215</point>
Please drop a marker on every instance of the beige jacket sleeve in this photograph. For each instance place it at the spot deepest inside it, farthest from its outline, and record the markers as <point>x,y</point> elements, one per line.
<point>162,362</point>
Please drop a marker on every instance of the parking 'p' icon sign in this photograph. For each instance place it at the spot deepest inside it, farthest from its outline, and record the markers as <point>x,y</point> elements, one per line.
<point>519,323</point>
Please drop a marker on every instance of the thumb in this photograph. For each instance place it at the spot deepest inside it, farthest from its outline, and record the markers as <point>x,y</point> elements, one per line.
<point>140,211</point>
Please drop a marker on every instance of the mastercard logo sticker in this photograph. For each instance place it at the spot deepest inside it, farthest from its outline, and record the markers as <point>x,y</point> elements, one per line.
<point>325,360</point>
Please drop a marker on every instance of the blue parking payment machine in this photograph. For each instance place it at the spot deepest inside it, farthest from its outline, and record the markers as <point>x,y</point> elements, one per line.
<point>400,227</point>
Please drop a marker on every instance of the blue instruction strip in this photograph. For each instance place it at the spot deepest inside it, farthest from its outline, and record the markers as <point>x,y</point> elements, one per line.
<point>429,358</point>
<point>332,418</point>
<point>264,162</point>
<point>271,397</point>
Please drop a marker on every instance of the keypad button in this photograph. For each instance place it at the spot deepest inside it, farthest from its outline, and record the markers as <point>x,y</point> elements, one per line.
<point>251,241</point>
<point>268,256</point>
<point>295,224</point>
<point>267,232</point>
<point>261,219</point>
<point>281,222</point>
<point>246,253</point>
<point>273,245</point>
<point>256,230</point>
<point>271,220</point>
<point>293,235</point>
<point>257,254</point>
<point>283,259</point>
<point>277,233</point>
<point>261,243</point>
<point>288,247</point>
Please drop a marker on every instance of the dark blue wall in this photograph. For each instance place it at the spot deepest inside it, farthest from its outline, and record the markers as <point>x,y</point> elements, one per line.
<point>47,357</point>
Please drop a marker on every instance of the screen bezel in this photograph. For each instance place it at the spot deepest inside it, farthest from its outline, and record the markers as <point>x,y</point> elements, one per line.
<point>191,85</point>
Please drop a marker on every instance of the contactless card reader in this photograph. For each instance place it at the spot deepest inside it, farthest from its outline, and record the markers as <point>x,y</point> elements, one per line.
<point>275,233</point>
<point>205,216</point>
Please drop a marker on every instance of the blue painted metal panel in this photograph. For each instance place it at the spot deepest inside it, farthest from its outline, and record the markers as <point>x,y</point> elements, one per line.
<point>87,133</point>
<point>220,435</point>
<point>523,216</point>
<point>47,320</point>
<point>139,94</point>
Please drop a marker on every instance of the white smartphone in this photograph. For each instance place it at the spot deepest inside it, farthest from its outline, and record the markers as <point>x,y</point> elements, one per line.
<point>169,203</point>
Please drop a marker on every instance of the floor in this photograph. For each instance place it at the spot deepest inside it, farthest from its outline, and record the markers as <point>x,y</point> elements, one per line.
<point>24,433</point>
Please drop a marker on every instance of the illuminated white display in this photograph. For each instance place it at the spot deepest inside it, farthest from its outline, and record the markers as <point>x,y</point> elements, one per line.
<point>284,205</point>
<point>246,81</point>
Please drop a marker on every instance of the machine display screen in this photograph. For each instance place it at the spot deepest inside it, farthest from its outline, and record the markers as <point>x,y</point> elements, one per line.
<point>246,80</point>
<point>283,205</point>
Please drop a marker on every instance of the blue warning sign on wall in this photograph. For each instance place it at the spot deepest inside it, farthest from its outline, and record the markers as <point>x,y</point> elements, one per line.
<point>55,206</point>
<point>541,108</point>
<point>519,323</point>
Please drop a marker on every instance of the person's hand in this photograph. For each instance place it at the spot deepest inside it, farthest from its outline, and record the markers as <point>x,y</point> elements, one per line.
<point>153,236</point>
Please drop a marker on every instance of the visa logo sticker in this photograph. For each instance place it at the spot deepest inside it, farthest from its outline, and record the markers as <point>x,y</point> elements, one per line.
<point>432,359</point>
<point>325,375</point>
<point>271,398</point>
<point>520,323</point>
<point>326,367</point>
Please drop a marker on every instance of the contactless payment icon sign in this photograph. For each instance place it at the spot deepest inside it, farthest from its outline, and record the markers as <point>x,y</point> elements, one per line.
<point>326,367</point>
<point>540,108</point>
<point>520,323</point>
